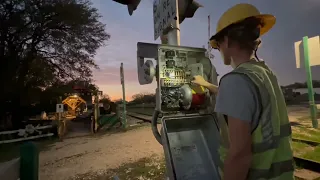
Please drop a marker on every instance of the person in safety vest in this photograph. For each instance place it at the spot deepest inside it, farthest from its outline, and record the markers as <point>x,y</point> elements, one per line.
<point>256,132</point>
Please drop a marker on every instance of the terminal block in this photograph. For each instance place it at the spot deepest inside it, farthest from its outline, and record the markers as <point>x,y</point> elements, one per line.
<point>174,68</point>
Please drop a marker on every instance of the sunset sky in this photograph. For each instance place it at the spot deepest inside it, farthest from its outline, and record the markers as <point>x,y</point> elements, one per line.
<point>295,19</point>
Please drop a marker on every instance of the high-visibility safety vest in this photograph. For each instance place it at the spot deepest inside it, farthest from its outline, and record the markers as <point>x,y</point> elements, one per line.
<point>272,153</point>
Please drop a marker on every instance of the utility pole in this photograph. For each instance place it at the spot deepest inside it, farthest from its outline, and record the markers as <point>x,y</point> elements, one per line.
<point>124,114</point>
<point>209,47</point>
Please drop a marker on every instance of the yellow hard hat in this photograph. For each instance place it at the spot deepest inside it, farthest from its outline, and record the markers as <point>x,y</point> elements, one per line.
<point>239,13</point>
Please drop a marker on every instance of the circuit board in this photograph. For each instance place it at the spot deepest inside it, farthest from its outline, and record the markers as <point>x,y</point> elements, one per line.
<point>177,67</point>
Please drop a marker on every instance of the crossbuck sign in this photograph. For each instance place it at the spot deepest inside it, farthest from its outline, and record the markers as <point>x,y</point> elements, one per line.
<point>164,13</point>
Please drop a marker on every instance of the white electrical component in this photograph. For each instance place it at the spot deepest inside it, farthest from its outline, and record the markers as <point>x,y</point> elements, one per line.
<point>149,71</point>
<point>59,108</point>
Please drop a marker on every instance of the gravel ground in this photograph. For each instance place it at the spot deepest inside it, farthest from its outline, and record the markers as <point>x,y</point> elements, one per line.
<point>64,160</point>
<point>74,157</point>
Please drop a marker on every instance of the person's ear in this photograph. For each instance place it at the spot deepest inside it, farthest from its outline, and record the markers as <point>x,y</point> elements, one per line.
<point>226,42</point>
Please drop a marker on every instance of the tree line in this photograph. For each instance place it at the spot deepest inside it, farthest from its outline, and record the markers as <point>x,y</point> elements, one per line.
<point>297,85</point>
<point>141,98</point>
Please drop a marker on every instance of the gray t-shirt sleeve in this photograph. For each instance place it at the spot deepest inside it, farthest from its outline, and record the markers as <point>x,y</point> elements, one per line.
<point>237,97</point>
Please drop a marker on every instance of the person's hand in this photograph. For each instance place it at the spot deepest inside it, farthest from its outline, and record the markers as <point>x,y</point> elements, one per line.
<point>199,80</point>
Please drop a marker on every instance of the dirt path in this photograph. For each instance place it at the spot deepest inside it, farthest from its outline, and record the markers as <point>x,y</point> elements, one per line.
<point>64,160</point>
<point>82,155</point>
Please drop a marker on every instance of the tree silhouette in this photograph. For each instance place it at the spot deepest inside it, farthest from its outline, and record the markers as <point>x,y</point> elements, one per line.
<point>297,85</point>
<point>105,99</point>
<point>143,98</point>
<point>45,40</point>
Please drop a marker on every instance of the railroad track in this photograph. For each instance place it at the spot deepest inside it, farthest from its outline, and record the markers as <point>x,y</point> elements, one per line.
<point>312,143</point>
<point>141,116</point>
<point>306,163</point>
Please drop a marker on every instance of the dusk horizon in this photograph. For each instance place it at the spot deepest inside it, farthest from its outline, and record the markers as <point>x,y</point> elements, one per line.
<point>277,48</point>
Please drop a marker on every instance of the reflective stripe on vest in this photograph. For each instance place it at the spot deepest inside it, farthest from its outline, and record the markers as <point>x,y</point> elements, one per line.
<point>276,170</point>
<point>264,146</point>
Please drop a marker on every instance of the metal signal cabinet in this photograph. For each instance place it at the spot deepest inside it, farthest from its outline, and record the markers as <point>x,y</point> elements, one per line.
<point>189,134</point>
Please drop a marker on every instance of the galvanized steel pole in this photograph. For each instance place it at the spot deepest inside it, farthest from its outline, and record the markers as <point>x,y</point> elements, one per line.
<point>174,33</point>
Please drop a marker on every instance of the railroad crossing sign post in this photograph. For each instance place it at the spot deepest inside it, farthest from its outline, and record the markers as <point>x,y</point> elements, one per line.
<point>165,16</point>
<point>59,108</point>
<point>124,116</point>
<point>61,122</point>
<point>311,56</point>
<point>96,113</point>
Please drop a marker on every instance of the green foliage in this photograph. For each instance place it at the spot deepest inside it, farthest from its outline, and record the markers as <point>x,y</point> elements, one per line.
<point>105,99</point>
<point>60,88</point>
<point>45,45</point>
<point>143,98</point>
<point>45,40</point>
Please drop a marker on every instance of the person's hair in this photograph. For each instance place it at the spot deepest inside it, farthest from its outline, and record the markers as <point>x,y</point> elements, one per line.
<point>245,33</point>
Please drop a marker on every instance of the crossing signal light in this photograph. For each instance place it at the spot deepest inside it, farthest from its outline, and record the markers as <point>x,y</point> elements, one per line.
<point>132,4</point>
<point>187,9</point>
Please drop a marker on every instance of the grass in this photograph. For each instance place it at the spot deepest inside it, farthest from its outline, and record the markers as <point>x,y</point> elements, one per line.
<point>146,168</point>
<point>304,150</point>
<point>152,168</point>
<point>305,132</point>
<point>314,154</point>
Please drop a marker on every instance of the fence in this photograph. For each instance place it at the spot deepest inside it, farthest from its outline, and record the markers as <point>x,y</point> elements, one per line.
<point>24,134</point>
<point>26,167</point>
